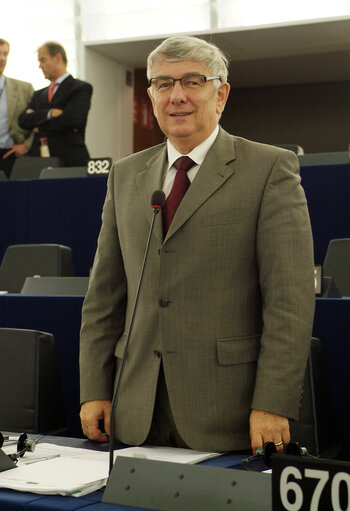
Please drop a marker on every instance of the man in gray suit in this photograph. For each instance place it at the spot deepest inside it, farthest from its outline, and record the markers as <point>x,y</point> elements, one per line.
<point>220,339</point>
<point>14,96</point>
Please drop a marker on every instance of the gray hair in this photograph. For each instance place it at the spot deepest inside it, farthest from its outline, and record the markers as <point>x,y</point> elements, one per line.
<point>181,48</point>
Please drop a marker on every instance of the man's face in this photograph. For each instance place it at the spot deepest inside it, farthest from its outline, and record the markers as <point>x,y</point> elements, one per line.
<point>48,64</point>
<point>187,117</point>
<point>4,51</point>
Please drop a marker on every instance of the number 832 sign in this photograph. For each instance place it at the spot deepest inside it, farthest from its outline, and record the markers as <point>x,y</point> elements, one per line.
<point>309,484</point>
<point>98,166</point>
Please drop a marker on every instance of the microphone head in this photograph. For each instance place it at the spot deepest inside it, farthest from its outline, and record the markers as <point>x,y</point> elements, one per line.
<point>157,200</point>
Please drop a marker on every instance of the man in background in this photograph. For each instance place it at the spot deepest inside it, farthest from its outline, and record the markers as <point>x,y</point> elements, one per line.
<point>58,113</point>
<point>221,335</point>
<point>14,96</point>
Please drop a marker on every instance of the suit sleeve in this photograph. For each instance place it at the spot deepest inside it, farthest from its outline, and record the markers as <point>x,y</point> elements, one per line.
<point>286,269</point>
<point>20,135</point>
<point>29,139</point>
<point>30,121</point>
<point>74,116</point>
<point>103,314</point>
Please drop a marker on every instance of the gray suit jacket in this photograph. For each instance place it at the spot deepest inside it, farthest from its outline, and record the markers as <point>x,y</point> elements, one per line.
<point>236,272</point>
<point>18,95</point>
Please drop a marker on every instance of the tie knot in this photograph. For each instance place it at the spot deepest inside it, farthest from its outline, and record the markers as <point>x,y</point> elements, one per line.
<point>184,163</point>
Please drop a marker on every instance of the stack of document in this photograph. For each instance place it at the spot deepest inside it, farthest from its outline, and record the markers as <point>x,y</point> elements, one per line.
<point>172,454</point>
<point>58,470</point>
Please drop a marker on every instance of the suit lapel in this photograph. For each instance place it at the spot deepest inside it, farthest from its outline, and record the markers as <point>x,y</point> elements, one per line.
<point>211,175</point>
<point>43,100</point>
<point>11,95</point>
<point>148,181</point>
<point>67,82</point>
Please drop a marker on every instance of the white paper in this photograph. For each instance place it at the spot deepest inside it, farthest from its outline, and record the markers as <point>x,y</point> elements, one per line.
<point>53,469</point>
<point>173,454</point>
<point>59,475</point>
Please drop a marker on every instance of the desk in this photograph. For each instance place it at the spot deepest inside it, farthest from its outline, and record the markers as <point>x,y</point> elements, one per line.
<point>332,327</point>
<point>64,211</point>
<point>68,211</point>
<point>11,500</point>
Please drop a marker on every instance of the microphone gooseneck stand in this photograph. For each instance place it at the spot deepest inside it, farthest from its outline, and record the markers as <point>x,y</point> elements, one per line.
<point>157,202</point>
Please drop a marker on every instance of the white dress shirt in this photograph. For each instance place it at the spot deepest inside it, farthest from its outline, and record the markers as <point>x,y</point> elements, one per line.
<point>197,155</point>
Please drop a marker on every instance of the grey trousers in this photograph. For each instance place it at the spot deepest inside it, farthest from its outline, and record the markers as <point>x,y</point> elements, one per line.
<point>163,428</point>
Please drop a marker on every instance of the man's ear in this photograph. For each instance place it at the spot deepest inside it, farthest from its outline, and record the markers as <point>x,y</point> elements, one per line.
<point>223,93</point>
<point>149,92</point>
<point>59,59</point>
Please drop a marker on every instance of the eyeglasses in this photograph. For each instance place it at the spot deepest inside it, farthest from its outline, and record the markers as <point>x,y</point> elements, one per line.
<point>190,82</point>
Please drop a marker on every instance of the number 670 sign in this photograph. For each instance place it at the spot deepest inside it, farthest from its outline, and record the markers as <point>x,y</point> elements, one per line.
<point>308,484</point>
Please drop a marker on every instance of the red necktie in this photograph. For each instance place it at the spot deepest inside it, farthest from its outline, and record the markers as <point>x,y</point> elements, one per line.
<point>178,190</point>
<point>50,91</point>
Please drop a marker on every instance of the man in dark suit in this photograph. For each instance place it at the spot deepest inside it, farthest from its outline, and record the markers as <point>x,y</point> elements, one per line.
<point>59,112</point>
<point>221,336</point>
<point>14,96</point>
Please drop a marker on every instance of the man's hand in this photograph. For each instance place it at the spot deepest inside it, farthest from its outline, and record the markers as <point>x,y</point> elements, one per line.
<point>268,427</point>
<point>16,149</point>
<point>55,112</point>
<point>90,413</point>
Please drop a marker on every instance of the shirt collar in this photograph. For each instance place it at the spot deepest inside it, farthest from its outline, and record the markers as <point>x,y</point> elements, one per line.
<point>2,82</point>
<point>61,78</point>
<point>197,154</point>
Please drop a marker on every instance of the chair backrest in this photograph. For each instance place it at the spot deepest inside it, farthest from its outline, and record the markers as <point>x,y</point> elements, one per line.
<point>329,289</point>
<point>63,172</point>
<point>31,398</point>
<point>295,148</point>
<point>21,261</point>
<point>29,167</point>
<point>337,264</point>
<point>316,429</point>
<point>69,286</point>
<point>323,158</point>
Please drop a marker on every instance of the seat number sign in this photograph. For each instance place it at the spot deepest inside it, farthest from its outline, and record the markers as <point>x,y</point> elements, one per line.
<point>303,483</point>
<point>99,166</point>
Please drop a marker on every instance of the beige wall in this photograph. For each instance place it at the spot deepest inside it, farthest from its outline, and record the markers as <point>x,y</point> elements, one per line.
<point>110,124</point>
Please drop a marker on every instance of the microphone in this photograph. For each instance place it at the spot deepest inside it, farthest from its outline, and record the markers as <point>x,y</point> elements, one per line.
<point>24,444</point>
<point>266,452</point>
<point>2,439</point>
<point>157,203</point>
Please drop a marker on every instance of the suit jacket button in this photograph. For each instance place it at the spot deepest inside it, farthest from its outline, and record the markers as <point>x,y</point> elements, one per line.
<point>157,353</point>
<point>164,302</point>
